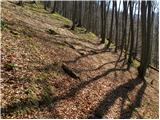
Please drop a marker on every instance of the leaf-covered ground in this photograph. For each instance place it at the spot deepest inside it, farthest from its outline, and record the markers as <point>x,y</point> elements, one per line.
<point>35,44</point>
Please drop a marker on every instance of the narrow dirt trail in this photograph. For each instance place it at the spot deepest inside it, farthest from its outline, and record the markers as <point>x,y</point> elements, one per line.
<point>39,88</point>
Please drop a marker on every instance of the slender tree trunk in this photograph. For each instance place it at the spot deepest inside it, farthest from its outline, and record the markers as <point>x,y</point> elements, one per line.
<point>103,21</point>
<point>87,16</point>
<point>54,7</point>
<point>116,17</point>
<point>74,15</point>
<point>119,30</point>
<point>149,31</point>
<point>127,43</point>
<point>80,14</point>
<point>152,24</point>
<point>111,27</point>
<point>136,46</point>
<point>90,16</point>
<point>132,35</point>
<point>124,27</point>
<point>47,4</point>
<point>156,46</point>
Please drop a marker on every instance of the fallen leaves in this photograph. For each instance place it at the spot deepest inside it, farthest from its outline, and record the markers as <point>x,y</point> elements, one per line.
<point>35,77</point>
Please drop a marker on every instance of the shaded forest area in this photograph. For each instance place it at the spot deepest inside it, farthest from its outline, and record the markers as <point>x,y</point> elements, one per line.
<point>80,59</point>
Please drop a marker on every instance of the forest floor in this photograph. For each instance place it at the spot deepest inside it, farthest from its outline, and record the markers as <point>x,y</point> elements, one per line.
<point>36,44</point>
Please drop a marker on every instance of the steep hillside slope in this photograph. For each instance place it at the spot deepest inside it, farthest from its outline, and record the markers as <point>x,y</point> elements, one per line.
<point>35,47</point>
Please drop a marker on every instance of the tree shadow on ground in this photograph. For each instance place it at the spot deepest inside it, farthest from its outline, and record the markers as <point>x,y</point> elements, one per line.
<point>127,113</point>
<point>94,69</point>
<point>41,103</point>
<point>85,56</point>
<point>122,92</point>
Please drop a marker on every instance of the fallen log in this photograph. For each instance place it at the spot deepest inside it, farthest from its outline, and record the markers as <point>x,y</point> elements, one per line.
<point>69,71</point>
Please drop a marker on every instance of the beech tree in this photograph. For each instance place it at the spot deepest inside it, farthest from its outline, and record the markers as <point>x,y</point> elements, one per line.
<point>74,14</point>
<point>54,7</point>
<point>131,4</point>
<point>103,21</point>
<point>136,44</point>
<point>111,27</point>
<point>146,43</point>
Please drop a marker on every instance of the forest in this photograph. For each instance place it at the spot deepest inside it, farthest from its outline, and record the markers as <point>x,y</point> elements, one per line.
<point>80,59</point>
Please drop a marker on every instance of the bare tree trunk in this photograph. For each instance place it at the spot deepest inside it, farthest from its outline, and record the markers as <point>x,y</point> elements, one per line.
<point>156,57</point>
<point>127,43</point>
<point>80,14</point>
<point>146,44</point>
<point>132,35</point>
<point>74,14</point>
<point>54,7</point>
<point>103,21</point>
<point>116,17</point>
<point>124,25</point>
<point>108,5</point>
<point>152,24</point>
<point>90,16</point>
<point>136,46</point>
<point>111,27</point>
<point>47,4</point>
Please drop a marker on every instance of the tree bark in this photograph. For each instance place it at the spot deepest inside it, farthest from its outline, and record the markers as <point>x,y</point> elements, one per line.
<point>146,44</point>
<point>132,35</point>
<point>136,46</point>
<point>111,27</point>
<point>116,17</point>
<point>80,14</point>
<point>74,15</point>
<point>103,21</point>
<point>54,7</point>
